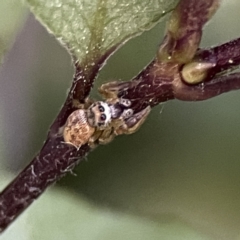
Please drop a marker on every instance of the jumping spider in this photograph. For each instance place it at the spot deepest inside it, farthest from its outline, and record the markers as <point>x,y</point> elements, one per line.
<point>99,122</point>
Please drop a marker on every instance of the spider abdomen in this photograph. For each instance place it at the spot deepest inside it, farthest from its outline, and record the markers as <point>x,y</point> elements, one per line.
<point>77,130</point>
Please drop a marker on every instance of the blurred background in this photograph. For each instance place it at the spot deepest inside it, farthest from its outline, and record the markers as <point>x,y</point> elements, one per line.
<point>176,178</point>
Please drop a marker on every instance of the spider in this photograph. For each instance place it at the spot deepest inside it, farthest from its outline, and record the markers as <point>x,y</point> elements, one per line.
<point>99,122</point>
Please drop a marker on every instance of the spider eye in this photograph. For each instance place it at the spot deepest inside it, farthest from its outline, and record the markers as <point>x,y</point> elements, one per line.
<point>103,117</point>
<point>101,108</point>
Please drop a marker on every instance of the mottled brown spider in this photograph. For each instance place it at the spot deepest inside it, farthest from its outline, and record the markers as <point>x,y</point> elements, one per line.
<point>101,121</point>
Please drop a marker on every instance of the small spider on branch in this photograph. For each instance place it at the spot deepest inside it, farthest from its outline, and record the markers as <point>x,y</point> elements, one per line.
<point>99,122</point>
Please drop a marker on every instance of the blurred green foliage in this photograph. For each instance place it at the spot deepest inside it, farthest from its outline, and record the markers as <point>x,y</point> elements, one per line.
<point>12,14</point>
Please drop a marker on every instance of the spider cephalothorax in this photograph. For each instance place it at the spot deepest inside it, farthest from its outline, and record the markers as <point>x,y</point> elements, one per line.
<point>102,121</point>
<point>99,114</point>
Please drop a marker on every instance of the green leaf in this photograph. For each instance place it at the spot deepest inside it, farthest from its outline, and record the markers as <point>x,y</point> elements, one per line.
<point>91,28</point>
<point>12,15</point>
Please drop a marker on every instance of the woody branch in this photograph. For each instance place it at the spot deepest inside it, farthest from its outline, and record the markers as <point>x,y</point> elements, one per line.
<point>180,70</point>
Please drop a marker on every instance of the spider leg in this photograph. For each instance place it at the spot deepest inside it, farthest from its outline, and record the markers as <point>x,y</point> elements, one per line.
<point>107,136</point>
<point>111,90</point>
<point>127,113</point>
<point>87,103</point>
<point>121,101</point>
<point>124,102</point>
<point>92,142</point>
<point>132,124</point>
<point>101,137</point>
